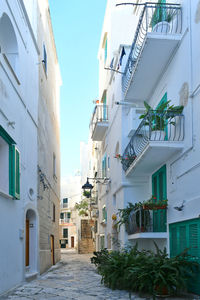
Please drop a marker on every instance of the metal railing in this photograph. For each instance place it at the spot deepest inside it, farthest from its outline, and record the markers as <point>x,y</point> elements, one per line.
<point>165,126</point>
<point>100,114</point>
<point>142,220</point>
<point>155,18</point>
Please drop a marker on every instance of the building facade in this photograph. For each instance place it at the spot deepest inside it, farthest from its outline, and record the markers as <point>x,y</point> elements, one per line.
<point>149,53</point>
<point>27,149</point>
<point>18,138</point>
<point>48,141</point>
<point>68,229</point>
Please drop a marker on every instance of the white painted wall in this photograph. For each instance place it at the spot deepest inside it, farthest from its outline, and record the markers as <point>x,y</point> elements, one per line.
<point>19,106</point>
<point>183,168</point>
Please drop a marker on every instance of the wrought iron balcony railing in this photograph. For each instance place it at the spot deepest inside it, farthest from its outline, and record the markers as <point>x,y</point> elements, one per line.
<point>100,114</point>
<point>155,18</point>
<point>146,221</point>
<point>165,126</point>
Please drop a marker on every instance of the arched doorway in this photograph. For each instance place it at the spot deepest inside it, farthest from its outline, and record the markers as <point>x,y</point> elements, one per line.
<point>31,242</point>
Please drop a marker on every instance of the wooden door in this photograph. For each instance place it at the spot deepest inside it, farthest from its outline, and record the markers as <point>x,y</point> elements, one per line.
<point>72,241</point>
<point>27,242</point>
<point>52,250</point>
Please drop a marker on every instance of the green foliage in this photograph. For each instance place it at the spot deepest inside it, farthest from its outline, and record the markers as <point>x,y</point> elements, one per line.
<point>162,14</point>
<point>152,203</point>
<point>158,119</point>
<point>82,207</point>
<point>124,215</point>
<point>125,212</point>
<point>87,194</point>
<point>144,271</point>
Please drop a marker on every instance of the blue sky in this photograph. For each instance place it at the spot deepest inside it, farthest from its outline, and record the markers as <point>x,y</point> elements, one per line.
<point>77,28</point>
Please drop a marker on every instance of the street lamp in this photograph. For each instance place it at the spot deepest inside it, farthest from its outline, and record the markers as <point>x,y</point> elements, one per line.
<point>87,187</point>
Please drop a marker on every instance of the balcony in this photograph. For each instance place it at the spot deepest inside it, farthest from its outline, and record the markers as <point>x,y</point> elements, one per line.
<point>159,136</point>
<point>147,224</point>
<point>157,36</point>
<point>99,122</point>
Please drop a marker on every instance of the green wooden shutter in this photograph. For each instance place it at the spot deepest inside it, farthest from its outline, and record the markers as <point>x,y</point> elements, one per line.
<point>105,51</point>
<point>159,190</point>
<point>184,235</point>
<point>17,174</point>
<point>14,172</point>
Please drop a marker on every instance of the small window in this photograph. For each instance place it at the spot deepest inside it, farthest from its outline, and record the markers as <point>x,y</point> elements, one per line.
<point>106,51</point>
<point>44,59</point>
<point>104,214</point>
<point>68,215</point>
<point>65,203</point>
<point>104,166</point>
<point>61,216</point>
<point>65,232</point>
<point>108,162</point>
<point>54,212</point>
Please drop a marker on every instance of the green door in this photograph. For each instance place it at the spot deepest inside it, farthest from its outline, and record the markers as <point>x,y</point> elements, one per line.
<point>186,235</point>
<point>159,191</point>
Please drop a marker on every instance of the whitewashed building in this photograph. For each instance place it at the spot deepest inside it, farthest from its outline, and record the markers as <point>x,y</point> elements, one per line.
<point>153,49</point>
<point>21,151</point>
<point>18,144</point>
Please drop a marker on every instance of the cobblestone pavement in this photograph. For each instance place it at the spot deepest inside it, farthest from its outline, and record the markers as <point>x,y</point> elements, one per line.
<point>73,278</point>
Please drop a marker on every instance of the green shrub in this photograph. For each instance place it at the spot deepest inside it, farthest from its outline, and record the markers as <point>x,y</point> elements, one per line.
<point>144,271</point>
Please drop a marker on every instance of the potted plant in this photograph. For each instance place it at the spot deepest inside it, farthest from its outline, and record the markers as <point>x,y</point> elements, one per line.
<point>158,119</point>
<point>161,18</point>
<point>152,204</point>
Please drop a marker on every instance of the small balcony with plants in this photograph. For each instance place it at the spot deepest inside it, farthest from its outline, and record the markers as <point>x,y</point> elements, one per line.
<point>145,219</point>
<point>156,38</point>
<point>99,122</point>
<point>159,136</point>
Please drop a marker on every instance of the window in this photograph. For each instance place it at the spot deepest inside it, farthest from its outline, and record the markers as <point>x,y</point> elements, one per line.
<point>44,59</point>
<point>102,242</point>
<point>65,203</point>
<point>105,51</point>
<point>108,162</point>
<point>61,216</point>
<point>10,165</point>
<point>104,214</point>
<point>104,166</point>
<point>68,215</point>
<point>54,212</point>
<point>65,232</point>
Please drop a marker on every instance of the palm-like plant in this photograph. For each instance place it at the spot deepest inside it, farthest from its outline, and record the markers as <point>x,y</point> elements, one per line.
<point>163,115</point>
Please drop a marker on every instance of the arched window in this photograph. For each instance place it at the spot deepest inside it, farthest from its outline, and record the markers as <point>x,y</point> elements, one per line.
<point>8,41</point>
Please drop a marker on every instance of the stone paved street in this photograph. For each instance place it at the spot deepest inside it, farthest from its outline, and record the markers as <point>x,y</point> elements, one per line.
<point>73,278</point>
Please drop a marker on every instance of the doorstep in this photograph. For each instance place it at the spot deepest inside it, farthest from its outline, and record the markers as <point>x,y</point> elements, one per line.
<point>31,276</point>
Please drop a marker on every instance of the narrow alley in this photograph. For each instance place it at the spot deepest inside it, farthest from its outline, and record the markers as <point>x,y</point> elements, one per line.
<point>73,278</point>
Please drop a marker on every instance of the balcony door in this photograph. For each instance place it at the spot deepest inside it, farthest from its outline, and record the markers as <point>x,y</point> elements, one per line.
<point>159,191</point>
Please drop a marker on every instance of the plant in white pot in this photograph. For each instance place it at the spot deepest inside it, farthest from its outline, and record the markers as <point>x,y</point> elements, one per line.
<point>161,18</point>
<point>159,119</point>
